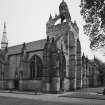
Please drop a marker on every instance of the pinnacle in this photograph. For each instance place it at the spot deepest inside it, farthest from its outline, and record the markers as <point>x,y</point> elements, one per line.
<point>4,24</point>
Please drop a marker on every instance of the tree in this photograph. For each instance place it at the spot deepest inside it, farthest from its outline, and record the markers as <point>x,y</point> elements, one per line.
<point>93,13</point>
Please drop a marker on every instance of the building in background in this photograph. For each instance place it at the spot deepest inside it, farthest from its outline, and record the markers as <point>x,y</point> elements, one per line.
<point>90,73</point>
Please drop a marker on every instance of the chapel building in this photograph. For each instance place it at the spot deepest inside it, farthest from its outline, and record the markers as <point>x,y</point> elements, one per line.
<point>52,65</point>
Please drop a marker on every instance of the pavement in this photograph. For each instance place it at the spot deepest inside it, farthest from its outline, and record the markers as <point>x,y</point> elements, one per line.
<point>59,98</point>
<point>85,95</point>
<point>53,98</point>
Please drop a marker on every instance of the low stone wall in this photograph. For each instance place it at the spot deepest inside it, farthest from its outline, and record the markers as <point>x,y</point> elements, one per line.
<point>34,85</point>
<point>3,84</point>
<point>46,87</point>
<point>55,85</point>
<point>79,85</point>
<point>7,84</point>
<point>66,84</point>
<point>10,84</point>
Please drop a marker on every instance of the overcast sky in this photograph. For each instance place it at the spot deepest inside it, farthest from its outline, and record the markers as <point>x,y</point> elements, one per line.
<point>26,21</point>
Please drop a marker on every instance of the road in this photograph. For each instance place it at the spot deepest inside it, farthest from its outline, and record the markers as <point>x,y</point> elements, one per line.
<point>45,99</point>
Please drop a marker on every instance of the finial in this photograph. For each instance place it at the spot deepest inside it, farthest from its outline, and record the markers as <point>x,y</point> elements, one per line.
<point>83,54</point>
<point>4,24</point>
<point>47,38</point>
<point>4,27</point>
<point>94,57</point>
<point>55,15</point>
<point>24,46</point>
<point>74,21</point>
<point>50,18</point>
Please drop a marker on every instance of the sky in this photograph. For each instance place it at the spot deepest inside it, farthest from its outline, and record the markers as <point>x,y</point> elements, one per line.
<point>26,21</point>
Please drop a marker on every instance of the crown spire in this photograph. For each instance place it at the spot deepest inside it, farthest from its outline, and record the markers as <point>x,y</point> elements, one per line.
<point>50,18</point>
<point>64,11</point>
<point>4,27</point>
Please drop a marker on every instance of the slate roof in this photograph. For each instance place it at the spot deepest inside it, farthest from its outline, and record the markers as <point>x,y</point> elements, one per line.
<point>31,46</point>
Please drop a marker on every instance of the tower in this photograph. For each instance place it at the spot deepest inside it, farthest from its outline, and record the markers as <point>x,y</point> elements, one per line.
<point>66,34</point>
<point>4,41</point>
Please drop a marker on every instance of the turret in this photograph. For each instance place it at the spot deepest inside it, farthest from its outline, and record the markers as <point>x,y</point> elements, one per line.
<point>4,41</point>
<point>83,58</point>
<point>50,18</point>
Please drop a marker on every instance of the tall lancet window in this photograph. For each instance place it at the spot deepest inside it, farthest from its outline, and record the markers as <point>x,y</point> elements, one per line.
<point>36,68</point>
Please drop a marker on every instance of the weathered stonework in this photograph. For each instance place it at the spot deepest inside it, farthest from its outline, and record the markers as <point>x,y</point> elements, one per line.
<point>51,65</point>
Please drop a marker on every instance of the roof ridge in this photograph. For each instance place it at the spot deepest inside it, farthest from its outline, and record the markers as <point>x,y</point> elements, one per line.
<point>30,46</point>
<point>26,43</point>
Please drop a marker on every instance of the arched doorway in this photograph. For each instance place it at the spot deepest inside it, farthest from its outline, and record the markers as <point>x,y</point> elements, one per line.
<point>36,68</point>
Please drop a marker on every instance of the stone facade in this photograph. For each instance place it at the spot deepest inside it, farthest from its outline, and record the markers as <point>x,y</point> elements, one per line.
<point>90,73</point>
<point>51,65</point>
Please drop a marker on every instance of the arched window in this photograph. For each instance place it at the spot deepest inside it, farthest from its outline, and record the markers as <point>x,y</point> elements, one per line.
<point>36,68</point>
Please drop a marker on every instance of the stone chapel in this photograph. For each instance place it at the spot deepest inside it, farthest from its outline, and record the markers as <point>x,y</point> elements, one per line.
<point>51,65</point>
